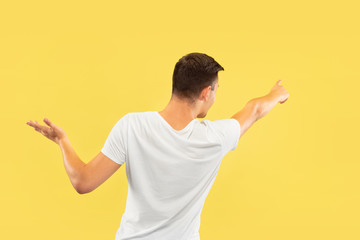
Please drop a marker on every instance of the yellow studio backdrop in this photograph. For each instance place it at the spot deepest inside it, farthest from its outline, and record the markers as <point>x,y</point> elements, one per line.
<point>84,65</point>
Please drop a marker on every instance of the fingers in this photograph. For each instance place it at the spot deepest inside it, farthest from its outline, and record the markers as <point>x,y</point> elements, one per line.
<point>278,82</point>
<point>35,124</point>
<point>31,124</point>
<point>283,101</point>
<point>37,127</point>
<point>49,123</point>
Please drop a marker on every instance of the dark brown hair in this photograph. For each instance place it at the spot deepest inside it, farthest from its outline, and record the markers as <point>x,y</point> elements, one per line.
<point>193,72</point>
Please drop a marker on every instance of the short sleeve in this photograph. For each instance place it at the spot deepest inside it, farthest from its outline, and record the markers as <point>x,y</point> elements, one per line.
<point>115,146</point>
<point>229,132</point>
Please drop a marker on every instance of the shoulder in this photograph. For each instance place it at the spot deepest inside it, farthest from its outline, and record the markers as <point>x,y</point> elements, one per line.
<point>221,123</point>
<point>223,127</point>
<point>227,131</point>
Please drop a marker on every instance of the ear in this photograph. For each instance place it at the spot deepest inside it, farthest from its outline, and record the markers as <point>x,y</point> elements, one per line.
<point>205,93</point>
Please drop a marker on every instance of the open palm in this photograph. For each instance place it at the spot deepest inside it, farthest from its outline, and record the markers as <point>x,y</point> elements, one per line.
<point>53,132</point>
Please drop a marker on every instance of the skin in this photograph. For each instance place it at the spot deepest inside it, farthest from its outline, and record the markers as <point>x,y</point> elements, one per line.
<point>179,113</point>
<point>257,108</point>
<point>85,177</point>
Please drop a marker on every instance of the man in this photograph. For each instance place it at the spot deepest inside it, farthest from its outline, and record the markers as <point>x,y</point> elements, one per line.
<point>171,158</point>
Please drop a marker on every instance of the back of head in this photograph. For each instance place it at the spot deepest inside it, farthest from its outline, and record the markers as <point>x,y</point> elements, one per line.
<point>193,72</point>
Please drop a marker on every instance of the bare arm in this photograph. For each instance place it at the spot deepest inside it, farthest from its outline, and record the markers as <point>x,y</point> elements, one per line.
<point>247,116</point>
<point>258,107</point>
<point>73,164</point>
<point>84,177</point>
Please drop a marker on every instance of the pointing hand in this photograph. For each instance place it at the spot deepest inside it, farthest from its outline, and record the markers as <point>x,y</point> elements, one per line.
<point>280,92</point>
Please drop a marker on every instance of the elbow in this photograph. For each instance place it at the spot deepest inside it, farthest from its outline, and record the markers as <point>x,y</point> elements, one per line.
<point>81,189</point>
<point>80,185</point>
<point>78,189</point>
<point>257,110</point>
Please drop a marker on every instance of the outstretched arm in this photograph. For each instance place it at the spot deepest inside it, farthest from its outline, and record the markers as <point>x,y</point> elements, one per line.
<point>84,177</point>
<point>73,164</point>
<point>258,107</point>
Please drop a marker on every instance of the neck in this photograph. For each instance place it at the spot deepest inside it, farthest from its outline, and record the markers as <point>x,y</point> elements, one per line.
<point>180,110</point>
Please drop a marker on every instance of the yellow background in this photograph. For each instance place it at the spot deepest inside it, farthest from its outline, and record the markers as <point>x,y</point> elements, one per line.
<point>85,64</point>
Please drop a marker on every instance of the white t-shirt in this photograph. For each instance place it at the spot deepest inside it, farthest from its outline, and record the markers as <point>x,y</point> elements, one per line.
<point>169,172</point>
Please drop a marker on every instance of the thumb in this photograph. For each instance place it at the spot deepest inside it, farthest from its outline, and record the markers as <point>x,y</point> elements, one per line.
<point>49,123</point>
<point>278,82</point>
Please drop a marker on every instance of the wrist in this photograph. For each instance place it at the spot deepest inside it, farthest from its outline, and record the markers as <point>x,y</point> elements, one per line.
<point>266,103</point>
<point>61,141</point>
<point>273,97</point>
